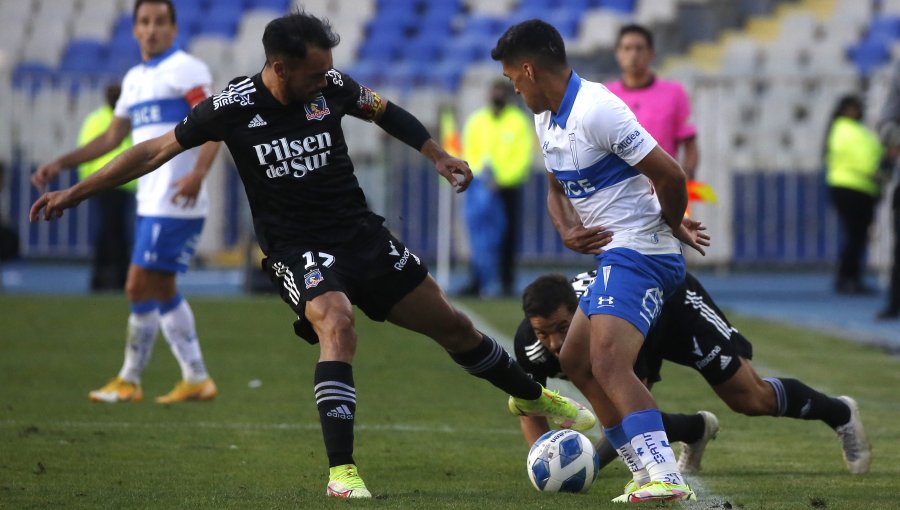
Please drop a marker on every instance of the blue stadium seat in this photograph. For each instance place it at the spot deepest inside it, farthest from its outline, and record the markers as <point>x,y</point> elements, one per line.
<point>84,56</point>
<point>122,55</point>
<point>566,21</point>
<point>383,49</point>
<point>122,27</point>
<point>485,25</point>
<point>187,8</point>
<point>33,75</point>
<point>423,49</point>
<point>444,9</point>
<point>220,20</point>
<point>407,75</point>
<point>869,55</point>
<point>273,5</point>
<point>398,21</point>
<point>885,28</point>
<point>436,28</point>
<point>368,72</point>
<point>624,6</point>
<point>468,48</point>
<point>447,75</point>
<point>543,5</point>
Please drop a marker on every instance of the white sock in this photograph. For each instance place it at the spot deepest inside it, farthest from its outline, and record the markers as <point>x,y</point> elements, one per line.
<point>141,334</point>
<point>616,437</point>
<point>177,322</point>
<point>657,456</point>
<point>630,458</point>
<point>645,433</point>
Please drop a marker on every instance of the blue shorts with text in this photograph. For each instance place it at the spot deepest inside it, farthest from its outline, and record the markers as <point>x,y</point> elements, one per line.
<point>165,244</point>
<point>633,286</point>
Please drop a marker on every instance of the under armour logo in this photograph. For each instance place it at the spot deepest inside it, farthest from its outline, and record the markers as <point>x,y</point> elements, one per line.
<point>604,301</point>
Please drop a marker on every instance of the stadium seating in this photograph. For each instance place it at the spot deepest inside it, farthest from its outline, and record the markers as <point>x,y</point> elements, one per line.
<point>763,74</point>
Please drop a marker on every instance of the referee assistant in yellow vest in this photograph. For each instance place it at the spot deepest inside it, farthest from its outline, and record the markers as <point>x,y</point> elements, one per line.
<point>853,155</point>
<point>112,246</point>
<point>498,143</point>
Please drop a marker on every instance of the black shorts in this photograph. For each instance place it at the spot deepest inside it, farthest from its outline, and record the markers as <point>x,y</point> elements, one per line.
<point>374,272</point>
<point>693,332</point>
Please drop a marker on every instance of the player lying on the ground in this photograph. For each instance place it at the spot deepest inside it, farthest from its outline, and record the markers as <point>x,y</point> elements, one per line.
<point>693,332</point>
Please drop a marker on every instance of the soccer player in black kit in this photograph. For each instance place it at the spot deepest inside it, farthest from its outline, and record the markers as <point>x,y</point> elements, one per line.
<point>324,248</point>
<point>691,331</point>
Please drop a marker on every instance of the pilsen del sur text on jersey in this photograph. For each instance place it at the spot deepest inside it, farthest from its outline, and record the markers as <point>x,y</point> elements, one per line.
<point>297,158</point>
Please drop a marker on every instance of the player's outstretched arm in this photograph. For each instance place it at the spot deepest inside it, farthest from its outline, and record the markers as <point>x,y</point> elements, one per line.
<point>188,187</point>
<point>454,170</point>
<point>141,159</point>
<point>670,184</point>
<point>568,223</point>
<point>108,140</point>
<point>405,127</point>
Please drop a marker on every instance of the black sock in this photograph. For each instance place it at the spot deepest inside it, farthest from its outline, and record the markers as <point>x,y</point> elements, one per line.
<point>336,401</point>
<point>491,362</point>
<point>606,451</point>
<point>686,428</point>
<point>797,400</point>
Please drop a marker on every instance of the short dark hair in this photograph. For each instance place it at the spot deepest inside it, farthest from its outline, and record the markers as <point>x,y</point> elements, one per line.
<point>546,294</point>
<point>533,38</point>
<point>290,35</point>
<point>139,3</point>
<point>635,29</point>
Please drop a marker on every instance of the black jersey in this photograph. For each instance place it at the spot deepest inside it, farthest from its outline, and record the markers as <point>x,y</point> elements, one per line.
<point>292,159</point>
<point>690,331</point>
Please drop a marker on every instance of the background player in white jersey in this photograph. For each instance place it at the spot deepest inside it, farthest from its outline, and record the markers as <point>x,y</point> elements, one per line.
<point>172,204</point>
<point>607,176</point>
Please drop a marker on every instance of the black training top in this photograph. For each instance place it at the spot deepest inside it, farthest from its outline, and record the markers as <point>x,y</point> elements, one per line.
<point>677,319</point>
<point>292,158</point>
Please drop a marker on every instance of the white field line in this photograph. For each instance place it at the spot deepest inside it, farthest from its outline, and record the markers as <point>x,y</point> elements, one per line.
<point>706,498</point>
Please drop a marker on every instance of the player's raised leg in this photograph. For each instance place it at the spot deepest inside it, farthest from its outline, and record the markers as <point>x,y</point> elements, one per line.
<point>426,310</point>
<point>747,393</point>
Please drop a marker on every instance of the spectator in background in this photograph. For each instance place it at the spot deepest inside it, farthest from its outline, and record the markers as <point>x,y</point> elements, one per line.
<point>498,143</point>
<point>661,106</point>
<point>112,247</point>
<point>852,158</point>
<point>889,129</point>
<point>9,238</point>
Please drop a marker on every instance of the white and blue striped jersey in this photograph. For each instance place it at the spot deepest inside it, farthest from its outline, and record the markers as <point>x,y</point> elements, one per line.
<point>591,146</point>
<point>155,97</point>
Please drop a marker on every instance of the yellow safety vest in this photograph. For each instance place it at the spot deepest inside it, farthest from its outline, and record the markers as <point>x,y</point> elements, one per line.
<point>505,143</point>
<point>94,125</point>
<point>853,156</point>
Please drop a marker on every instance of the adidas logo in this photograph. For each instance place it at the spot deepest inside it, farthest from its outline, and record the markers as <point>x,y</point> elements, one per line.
<point>341,411</point>
<point>724,361</point>
<point>257,122</point>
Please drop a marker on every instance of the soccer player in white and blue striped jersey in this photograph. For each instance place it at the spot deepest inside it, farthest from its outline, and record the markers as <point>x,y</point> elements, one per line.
<point>171,206</point>
<point>608,178</point>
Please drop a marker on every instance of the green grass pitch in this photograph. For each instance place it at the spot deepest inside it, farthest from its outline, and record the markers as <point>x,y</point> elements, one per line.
<point>428,435</point>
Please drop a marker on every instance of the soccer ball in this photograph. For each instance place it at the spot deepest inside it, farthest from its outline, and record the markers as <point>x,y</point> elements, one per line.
<point>563,461</point>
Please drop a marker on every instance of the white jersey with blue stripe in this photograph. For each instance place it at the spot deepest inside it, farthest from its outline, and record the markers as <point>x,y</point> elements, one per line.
<point>153,98</point>
<point>591,146</point>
